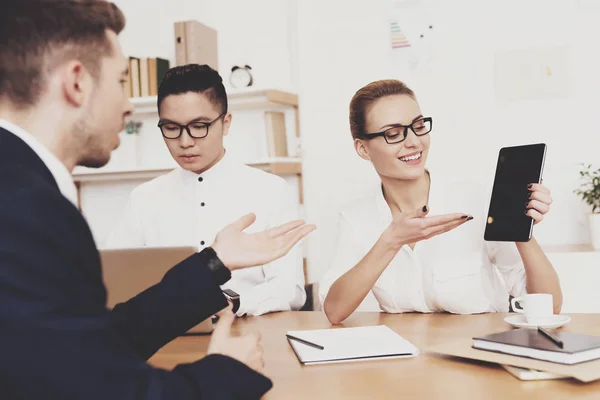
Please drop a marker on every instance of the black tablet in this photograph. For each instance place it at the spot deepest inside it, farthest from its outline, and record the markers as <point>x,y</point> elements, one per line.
<point>517,167</point>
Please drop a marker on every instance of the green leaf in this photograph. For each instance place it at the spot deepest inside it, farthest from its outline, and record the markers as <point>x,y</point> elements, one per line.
<point>589,190</point>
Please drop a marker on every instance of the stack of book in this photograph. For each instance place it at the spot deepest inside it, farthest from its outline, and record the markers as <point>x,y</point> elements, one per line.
<point>538,354</point>
<point>559,347</point>
<point>145,75</point>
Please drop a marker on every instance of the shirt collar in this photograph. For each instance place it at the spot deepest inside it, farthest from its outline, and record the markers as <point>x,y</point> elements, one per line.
<point>61,174</point>
<point>216,173</point>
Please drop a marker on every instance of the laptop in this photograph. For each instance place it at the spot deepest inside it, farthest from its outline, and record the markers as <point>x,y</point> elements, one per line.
<point>128,272</point>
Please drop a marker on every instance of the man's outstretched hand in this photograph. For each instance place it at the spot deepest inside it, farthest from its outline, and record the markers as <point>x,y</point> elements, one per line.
<point>238,249</point>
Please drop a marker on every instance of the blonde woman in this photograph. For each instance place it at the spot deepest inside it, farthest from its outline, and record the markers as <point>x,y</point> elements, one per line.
<point>409,243</point>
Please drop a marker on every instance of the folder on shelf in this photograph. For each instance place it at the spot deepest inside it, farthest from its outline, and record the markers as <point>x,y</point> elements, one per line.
<point>276,134</point>
<point>196,43</point>
<point>350,344</point>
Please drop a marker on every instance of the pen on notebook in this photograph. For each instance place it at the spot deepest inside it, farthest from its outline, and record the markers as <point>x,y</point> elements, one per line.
<point>306,342</point>
<point>551,336</point>
<point>195,334</point>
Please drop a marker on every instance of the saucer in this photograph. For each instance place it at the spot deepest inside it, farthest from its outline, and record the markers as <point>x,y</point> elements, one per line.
<point>556,321</point>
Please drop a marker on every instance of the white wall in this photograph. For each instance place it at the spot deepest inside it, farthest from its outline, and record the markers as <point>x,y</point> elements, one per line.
<point>344,45</point>
<point>326,49</point>
<point>149,29</point>
<point>255,33</point>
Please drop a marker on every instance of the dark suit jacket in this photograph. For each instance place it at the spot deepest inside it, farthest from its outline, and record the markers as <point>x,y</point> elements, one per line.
<point>57,338</point>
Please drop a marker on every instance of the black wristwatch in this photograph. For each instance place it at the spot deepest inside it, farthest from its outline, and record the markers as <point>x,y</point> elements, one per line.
<point>234,298</point>
<point>219,271</point>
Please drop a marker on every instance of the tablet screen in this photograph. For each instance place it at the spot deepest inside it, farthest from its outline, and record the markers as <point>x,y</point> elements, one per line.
<point>516,168</point>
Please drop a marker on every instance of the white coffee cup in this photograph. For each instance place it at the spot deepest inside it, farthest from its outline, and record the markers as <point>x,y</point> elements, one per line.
<point>537,307</point>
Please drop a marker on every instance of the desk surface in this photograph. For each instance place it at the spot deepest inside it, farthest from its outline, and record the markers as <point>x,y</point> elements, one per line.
<point>427,376</point>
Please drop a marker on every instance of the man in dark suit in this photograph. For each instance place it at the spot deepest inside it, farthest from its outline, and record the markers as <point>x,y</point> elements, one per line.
<point>62,104</point>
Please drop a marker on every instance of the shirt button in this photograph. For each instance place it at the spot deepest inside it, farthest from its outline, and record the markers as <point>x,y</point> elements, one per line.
<point>200,179</point>
<point>202,204</point>
<point>202,243</point>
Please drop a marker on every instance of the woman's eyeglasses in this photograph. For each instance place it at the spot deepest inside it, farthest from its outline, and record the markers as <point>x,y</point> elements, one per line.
<point>398,133</point>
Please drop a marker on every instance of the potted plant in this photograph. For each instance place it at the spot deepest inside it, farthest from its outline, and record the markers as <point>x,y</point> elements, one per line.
<point>589,191</point>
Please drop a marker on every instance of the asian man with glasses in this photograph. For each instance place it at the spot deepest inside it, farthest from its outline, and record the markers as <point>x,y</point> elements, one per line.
<point>209,190</point>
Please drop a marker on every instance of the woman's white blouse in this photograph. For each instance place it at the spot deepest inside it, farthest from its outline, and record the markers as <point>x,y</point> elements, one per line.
<point>456,272</point>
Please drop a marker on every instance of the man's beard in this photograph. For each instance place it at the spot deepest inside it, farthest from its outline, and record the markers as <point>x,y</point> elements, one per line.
<point>90,153</point>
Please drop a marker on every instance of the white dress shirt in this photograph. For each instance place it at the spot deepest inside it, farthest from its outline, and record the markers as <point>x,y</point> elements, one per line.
<point>182,208</point>
<point>59,171</point>
<point>456,271</point>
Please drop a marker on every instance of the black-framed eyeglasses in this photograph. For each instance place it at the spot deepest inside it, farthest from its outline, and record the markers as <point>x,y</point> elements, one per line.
<point>398,133</point>
<point>197,130</point>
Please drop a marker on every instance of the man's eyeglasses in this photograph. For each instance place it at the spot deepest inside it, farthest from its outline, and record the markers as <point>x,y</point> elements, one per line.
<point>197,130</point>
<point>398,133</point>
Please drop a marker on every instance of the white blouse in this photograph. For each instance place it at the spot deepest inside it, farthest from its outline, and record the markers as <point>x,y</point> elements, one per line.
<point>182,208</point>
<point>456,271</point>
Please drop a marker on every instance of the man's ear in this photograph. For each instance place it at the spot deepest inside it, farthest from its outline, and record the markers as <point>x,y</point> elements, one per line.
<point>227,123</point>
<point>76,83</point>
<point>361,149</point>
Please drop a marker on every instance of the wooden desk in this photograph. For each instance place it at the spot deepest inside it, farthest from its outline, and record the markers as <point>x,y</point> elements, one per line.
<point>427,376</point>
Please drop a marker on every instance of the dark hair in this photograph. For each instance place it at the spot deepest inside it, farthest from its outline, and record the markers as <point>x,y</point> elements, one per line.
<point>194,78</point>
<point>36,36</point>
<point>363,100</point>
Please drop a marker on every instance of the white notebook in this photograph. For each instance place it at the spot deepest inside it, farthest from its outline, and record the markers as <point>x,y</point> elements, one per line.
<point>526,374</point>
<point>351,344</point>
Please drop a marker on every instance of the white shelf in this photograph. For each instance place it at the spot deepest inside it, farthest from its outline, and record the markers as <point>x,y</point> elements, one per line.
<point>238,100</point>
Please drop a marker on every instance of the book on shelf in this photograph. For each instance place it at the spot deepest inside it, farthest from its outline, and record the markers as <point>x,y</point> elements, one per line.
<point>157,69</point>
<point>145,75</point>
<point>144,81</point>
<point>152,77</point>
<point>134,73</point>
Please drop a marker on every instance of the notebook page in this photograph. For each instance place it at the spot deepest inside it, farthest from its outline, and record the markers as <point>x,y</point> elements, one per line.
<point>351,343</point>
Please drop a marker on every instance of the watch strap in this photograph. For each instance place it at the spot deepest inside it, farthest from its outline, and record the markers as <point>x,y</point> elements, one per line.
<point>219,271</point>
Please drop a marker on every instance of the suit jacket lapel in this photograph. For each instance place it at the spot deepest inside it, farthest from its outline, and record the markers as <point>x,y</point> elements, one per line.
<point>14,152</point>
